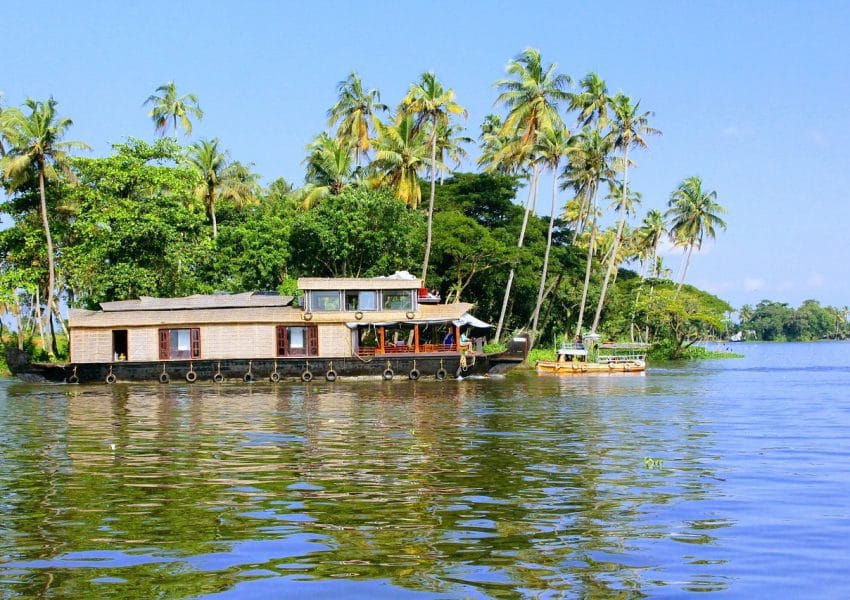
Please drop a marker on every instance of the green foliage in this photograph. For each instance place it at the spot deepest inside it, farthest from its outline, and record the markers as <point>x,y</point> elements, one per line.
<point>538,354</point>
<point>495,347</point>
<point>136,231</point>
<point>251,251</point>
<point>777,321</point>
<point>682,317</point>
<point>359,233</point>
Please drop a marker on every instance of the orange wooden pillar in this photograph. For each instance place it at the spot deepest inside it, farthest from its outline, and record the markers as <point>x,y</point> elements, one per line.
<point>416,338</point>
<point>381,339</point>
<point>457,338</point>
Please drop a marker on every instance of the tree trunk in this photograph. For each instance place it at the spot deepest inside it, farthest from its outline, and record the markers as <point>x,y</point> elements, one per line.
<point>212,216</point>
<point>617,239</point>
<point>19,322</point>
<point>531,193</point>
<point>51,267</point>
<point>545,258</point>
<point>430,202</point>
<point>589,263</point>
<point>685,269</point>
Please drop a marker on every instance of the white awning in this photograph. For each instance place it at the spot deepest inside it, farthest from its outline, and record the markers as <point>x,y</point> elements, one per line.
<point>468,320</point>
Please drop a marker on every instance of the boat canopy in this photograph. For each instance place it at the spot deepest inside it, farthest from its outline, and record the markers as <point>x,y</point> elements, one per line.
<point>465,320</point>
<point>468,320</point>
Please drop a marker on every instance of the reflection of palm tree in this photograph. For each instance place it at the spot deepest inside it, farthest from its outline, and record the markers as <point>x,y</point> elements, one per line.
<point>35,140</point>
<point>430,103</point>
<point>168,107</point>
<point>355,110</point>
<point>694,215</point>
<point>531,95</point>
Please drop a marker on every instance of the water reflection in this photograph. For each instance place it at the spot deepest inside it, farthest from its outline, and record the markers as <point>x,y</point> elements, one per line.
<point>520,486</point>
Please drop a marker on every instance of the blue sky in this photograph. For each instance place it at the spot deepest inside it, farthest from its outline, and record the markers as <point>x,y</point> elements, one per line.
<point>752,96</point>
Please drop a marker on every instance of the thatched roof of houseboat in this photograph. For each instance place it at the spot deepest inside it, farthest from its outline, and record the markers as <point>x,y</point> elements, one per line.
<point>214,316</point>
<point>199,301</point>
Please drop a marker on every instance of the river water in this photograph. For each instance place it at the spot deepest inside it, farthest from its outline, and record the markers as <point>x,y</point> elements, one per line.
<point>730,477</point>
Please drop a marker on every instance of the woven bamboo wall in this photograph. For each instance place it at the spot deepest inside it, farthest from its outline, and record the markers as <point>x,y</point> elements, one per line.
<point>91,345</point>
<point>230,341</point>
<point>334,340</point>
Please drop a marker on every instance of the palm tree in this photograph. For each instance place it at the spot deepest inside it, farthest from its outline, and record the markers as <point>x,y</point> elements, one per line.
<point>589,166</point>
<point>552,146</point>
<point>591,101</point>
<point>240,184</point>
<point>531,94</point>
<point>629,127</point>
<point>355,111</point>
<point>35,139</point>
<point>329,169</point>
<point>210,163</point>
<point>168,108</point>
<point>694,214</point>
<point>450,147</point>
<point>430,103</point>
<point>401,152</point>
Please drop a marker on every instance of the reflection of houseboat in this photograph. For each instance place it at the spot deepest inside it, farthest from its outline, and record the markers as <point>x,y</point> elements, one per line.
<point>384,326</point>
<point>611,358</point>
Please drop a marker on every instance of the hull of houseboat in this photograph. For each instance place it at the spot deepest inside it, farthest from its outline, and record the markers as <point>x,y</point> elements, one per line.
<point>426,367</point>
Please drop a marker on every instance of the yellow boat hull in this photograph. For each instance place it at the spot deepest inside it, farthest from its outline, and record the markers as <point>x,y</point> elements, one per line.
<point>586,368</point>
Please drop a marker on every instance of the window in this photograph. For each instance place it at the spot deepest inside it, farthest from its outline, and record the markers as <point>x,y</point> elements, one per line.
<point>297,340</point>
<point>179,344</point>
<point>324,301</point>
<point>398,301</point>
<point>119,344</point>
<point>363,300</point>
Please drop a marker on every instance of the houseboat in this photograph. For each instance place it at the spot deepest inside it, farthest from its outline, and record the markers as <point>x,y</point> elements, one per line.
<point>387,327</point>
<point>611,358</point>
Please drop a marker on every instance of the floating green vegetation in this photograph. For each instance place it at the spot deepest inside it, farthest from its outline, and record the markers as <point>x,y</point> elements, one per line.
<point>652,463</point>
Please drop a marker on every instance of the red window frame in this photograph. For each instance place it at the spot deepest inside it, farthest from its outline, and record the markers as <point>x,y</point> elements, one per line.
<point>165,343</point>
<point>282,346</point>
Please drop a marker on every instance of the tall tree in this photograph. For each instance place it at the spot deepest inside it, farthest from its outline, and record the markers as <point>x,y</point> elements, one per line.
<point>356,111</point>
<point>589,166</point>
<point>431,103</point>
<point>629,128</point>
<point>531,94</point>
<point>170,109</point>
<point>552,146</point>
<point>401,151</point>
<point>694,214</point>
<point>591,101</point>
<point>219,178</point>
<point>450,147</point>
<point>330,168</point>
<point>36,140</point>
